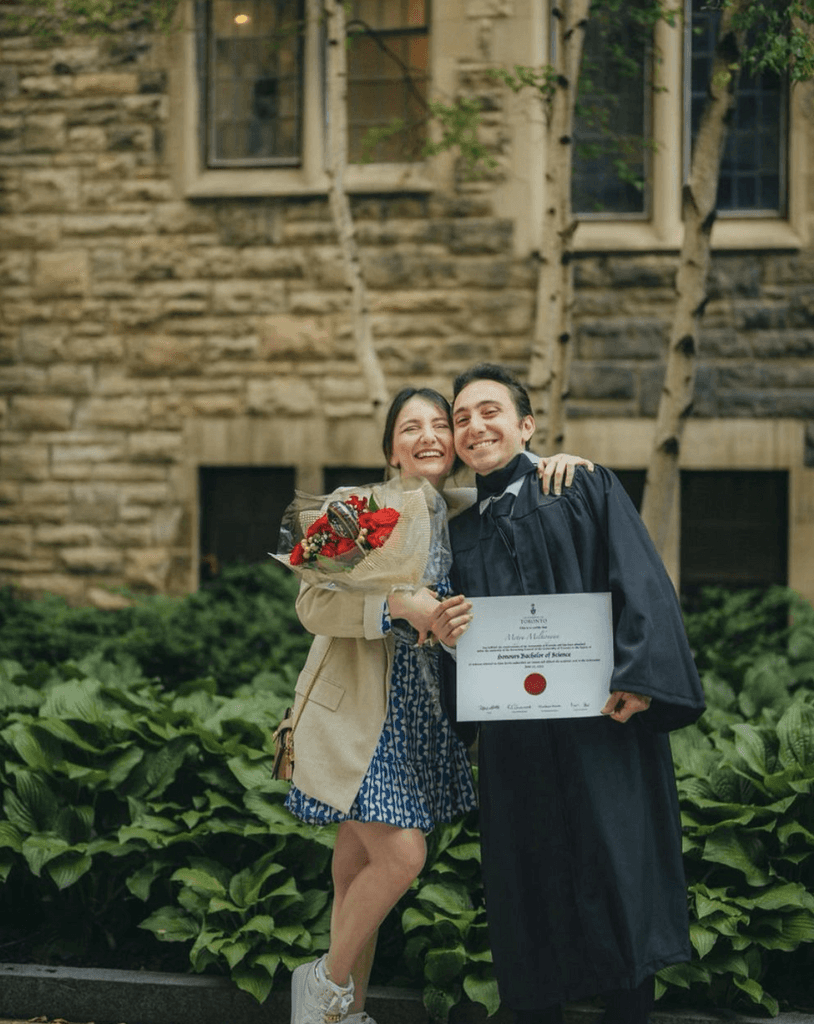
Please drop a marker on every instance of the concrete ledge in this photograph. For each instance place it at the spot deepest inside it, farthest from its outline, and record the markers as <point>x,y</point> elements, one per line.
<point>152,997</point>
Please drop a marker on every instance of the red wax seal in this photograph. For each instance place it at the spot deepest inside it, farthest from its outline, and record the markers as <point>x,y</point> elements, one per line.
<point>534,683</point>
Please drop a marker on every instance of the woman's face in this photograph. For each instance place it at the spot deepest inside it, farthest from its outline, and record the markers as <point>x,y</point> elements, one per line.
<point>422,441</point>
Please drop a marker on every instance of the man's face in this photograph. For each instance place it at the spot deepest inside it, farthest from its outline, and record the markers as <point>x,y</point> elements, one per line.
<point>488,432</point>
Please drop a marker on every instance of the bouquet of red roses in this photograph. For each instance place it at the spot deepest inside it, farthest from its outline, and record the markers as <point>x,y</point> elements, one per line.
<point>377,539</point>
<point>345,532</point>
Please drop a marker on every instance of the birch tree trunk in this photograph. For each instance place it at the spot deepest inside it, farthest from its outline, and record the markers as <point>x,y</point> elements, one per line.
<point>337,163</point>
<point>698,208</point>
<point>551,340</point>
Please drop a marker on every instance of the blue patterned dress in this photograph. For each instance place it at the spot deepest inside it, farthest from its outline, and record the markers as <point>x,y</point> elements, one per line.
<point>419,773</point>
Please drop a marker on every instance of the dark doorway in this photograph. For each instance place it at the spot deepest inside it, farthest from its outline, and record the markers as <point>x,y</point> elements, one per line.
<point>633,482</point>
<point>351,476</point>
<point>734,528</point>
<point>240,509</point>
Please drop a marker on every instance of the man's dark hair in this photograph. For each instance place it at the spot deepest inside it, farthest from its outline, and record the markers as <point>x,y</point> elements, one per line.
<point>402,398</point>
<point>501,375</point>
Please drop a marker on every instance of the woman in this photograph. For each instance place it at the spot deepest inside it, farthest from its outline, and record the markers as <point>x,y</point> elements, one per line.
<point>375,751</point>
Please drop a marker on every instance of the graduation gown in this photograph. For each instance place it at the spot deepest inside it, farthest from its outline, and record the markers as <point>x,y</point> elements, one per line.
<point>580,828</point>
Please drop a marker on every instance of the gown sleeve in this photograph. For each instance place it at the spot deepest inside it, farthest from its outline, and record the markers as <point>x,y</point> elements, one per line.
<point>651,652</point>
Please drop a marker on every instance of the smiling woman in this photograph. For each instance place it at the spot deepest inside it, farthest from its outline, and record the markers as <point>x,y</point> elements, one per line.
<point>418,437</point>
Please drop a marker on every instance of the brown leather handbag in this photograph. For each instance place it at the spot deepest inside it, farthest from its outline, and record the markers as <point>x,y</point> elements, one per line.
<point>283,736</point>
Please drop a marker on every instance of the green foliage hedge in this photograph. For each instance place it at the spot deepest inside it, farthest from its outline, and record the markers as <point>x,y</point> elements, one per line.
<point>242,623</point>
<point>130,803</point>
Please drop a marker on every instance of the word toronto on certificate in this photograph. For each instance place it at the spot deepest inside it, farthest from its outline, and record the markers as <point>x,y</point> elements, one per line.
<point>545,656</point>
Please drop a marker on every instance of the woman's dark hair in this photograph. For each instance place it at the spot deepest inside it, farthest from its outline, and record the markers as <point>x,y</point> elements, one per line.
<point>402,398</point>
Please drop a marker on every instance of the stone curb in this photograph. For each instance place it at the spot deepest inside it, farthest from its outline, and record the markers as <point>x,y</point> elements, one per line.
<point>150,997</point>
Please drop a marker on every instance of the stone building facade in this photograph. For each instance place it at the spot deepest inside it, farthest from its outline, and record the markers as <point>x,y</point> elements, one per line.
<point>160,316</point>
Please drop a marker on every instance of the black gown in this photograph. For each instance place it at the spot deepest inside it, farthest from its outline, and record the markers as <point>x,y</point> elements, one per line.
<point>580,828</point>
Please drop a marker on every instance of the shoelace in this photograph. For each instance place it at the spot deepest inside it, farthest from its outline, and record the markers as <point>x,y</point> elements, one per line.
<point>335,1005</point>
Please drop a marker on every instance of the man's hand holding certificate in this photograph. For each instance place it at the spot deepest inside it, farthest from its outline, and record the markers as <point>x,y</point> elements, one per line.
<point>548,656</point>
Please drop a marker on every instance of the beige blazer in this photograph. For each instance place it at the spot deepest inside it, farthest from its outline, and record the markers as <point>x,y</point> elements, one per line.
<point>352,659</point>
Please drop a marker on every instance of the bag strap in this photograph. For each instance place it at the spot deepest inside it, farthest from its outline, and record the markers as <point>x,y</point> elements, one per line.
<point>307,694</point>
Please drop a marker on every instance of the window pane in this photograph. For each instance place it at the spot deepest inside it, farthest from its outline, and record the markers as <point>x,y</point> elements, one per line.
<point>254,113</point>
<point>388,72</point>
<point>753,170</point>
<point>734,529</point>
<point>241,510</point>
<point>611,123</point>
<point>351,476</point>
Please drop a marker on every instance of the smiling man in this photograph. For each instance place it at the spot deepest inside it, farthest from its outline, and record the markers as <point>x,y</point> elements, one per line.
<point>580,829</point>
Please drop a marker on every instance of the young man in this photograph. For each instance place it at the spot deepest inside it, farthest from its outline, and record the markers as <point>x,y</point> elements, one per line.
<point>580,829</point>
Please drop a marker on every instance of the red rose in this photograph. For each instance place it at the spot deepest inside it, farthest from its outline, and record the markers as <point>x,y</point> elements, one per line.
<point>344,544</point>
<point>359,504</point>
<point>297,557</point>
<point>318,527</point>
<point>384,517</point>
<point>376,538</point>
<point>329,549</point>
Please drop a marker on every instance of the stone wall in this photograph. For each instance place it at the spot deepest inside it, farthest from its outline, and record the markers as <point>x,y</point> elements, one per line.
<point>129,313</point>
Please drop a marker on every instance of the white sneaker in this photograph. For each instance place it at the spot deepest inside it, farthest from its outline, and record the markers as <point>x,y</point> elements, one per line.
<point>315,999</point>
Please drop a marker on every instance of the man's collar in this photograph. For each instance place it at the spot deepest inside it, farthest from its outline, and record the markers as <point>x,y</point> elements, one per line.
<point>507,480</point>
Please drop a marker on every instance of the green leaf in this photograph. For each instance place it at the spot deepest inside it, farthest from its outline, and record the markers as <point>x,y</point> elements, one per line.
<point>69,868</point>
<point>119,768</point>
<point>217,904</point>
<point>140,882</point>
<point>33,807</point>
<point>703,939</point>
<point>795,731</point>
<point>735,851</point>
<point>11,836</point>
<point>749,745</point>
<point>439,1002</point>
<point>256,980</point>
<point>757,994</point>
<point>171,924</point>
<point>443,966</point>
<point>483,989</point>
<point>254,775</point>
<point>245,887</point>
<point>205,948</point>
<point>199,880</point>
<point>263,924</point>
<point>41,752</point>
<point>451,898</point>
<point>413,918</point>
<point>77,700</point>
<point>6,864</point>
<point>779,897</point>
<point>39,849</point>
<point>794,828</point>
<point>465,851</point>
<point>799,927</point>
<point>235,951</point>
<point>766,684</point>
<point>290,933</point>
<point>270,961</point>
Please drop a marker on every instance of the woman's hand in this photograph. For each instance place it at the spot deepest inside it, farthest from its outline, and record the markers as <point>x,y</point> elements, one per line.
<point>417,608</point>
<point>451,619</point>
<point>559,466</point>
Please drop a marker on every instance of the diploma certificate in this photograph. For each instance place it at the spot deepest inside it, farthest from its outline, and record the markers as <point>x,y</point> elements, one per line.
<point>548,656</point>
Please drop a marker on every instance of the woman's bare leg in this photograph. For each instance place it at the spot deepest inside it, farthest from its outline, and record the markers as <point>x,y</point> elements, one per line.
<point>375,866</point>
<point>349,858</point>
